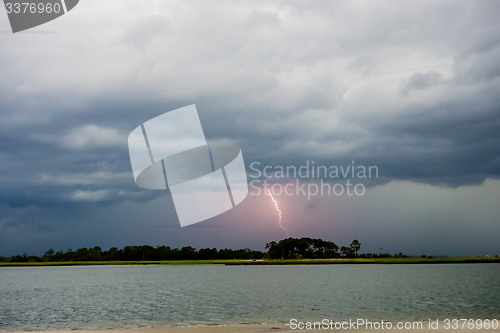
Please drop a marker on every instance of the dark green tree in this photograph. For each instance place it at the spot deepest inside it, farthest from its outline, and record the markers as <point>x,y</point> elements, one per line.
<point>355,247</point>
<point>347,252</point>
<point>48,256</point>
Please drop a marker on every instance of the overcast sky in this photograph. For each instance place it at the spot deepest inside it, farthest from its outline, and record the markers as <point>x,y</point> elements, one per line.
<point>411,87</point>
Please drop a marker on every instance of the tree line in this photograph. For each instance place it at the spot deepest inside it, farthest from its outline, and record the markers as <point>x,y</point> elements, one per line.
<point>289,248</point>
<point>137,253</point>
<point>310,248</point>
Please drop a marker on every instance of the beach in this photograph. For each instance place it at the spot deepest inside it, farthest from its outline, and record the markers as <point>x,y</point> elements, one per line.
<point>259,329</point>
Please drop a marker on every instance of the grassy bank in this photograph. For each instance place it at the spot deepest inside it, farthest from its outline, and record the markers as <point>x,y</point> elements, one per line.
<point>139,262</point>
<point>411,260</point>
<point>414,260</point>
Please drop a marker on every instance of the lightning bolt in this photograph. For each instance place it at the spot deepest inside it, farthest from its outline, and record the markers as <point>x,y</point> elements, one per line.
<point>278,210</point>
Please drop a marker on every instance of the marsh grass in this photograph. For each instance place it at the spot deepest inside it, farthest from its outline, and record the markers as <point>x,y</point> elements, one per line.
<point>340,261</point>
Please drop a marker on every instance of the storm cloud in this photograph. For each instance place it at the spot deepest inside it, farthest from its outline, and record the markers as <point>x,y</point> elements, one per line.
<point>410,87</point>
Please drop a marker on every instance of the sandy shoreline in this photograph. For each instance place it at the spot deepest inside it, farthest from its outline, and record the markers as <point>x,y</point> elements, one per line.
<point>254,328</point>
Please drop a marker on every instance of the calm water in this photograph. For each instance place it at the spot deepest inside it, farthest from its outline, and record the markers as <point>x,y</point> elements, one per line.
<point>38,298</point>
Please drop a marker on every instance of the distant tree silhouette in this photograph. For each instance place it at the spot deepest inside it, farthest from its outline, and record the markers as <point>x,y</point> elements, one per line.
<point>48,256</point>
<point>138,253</point>
<point>289,248</point>
<point>347,252</point>
<point>295,248</point>
<point>355,246</point>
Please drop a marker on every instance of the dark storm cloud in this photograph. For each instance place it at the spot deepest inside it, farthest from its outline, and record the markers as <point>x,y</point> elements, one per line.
<point>411,88</point>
